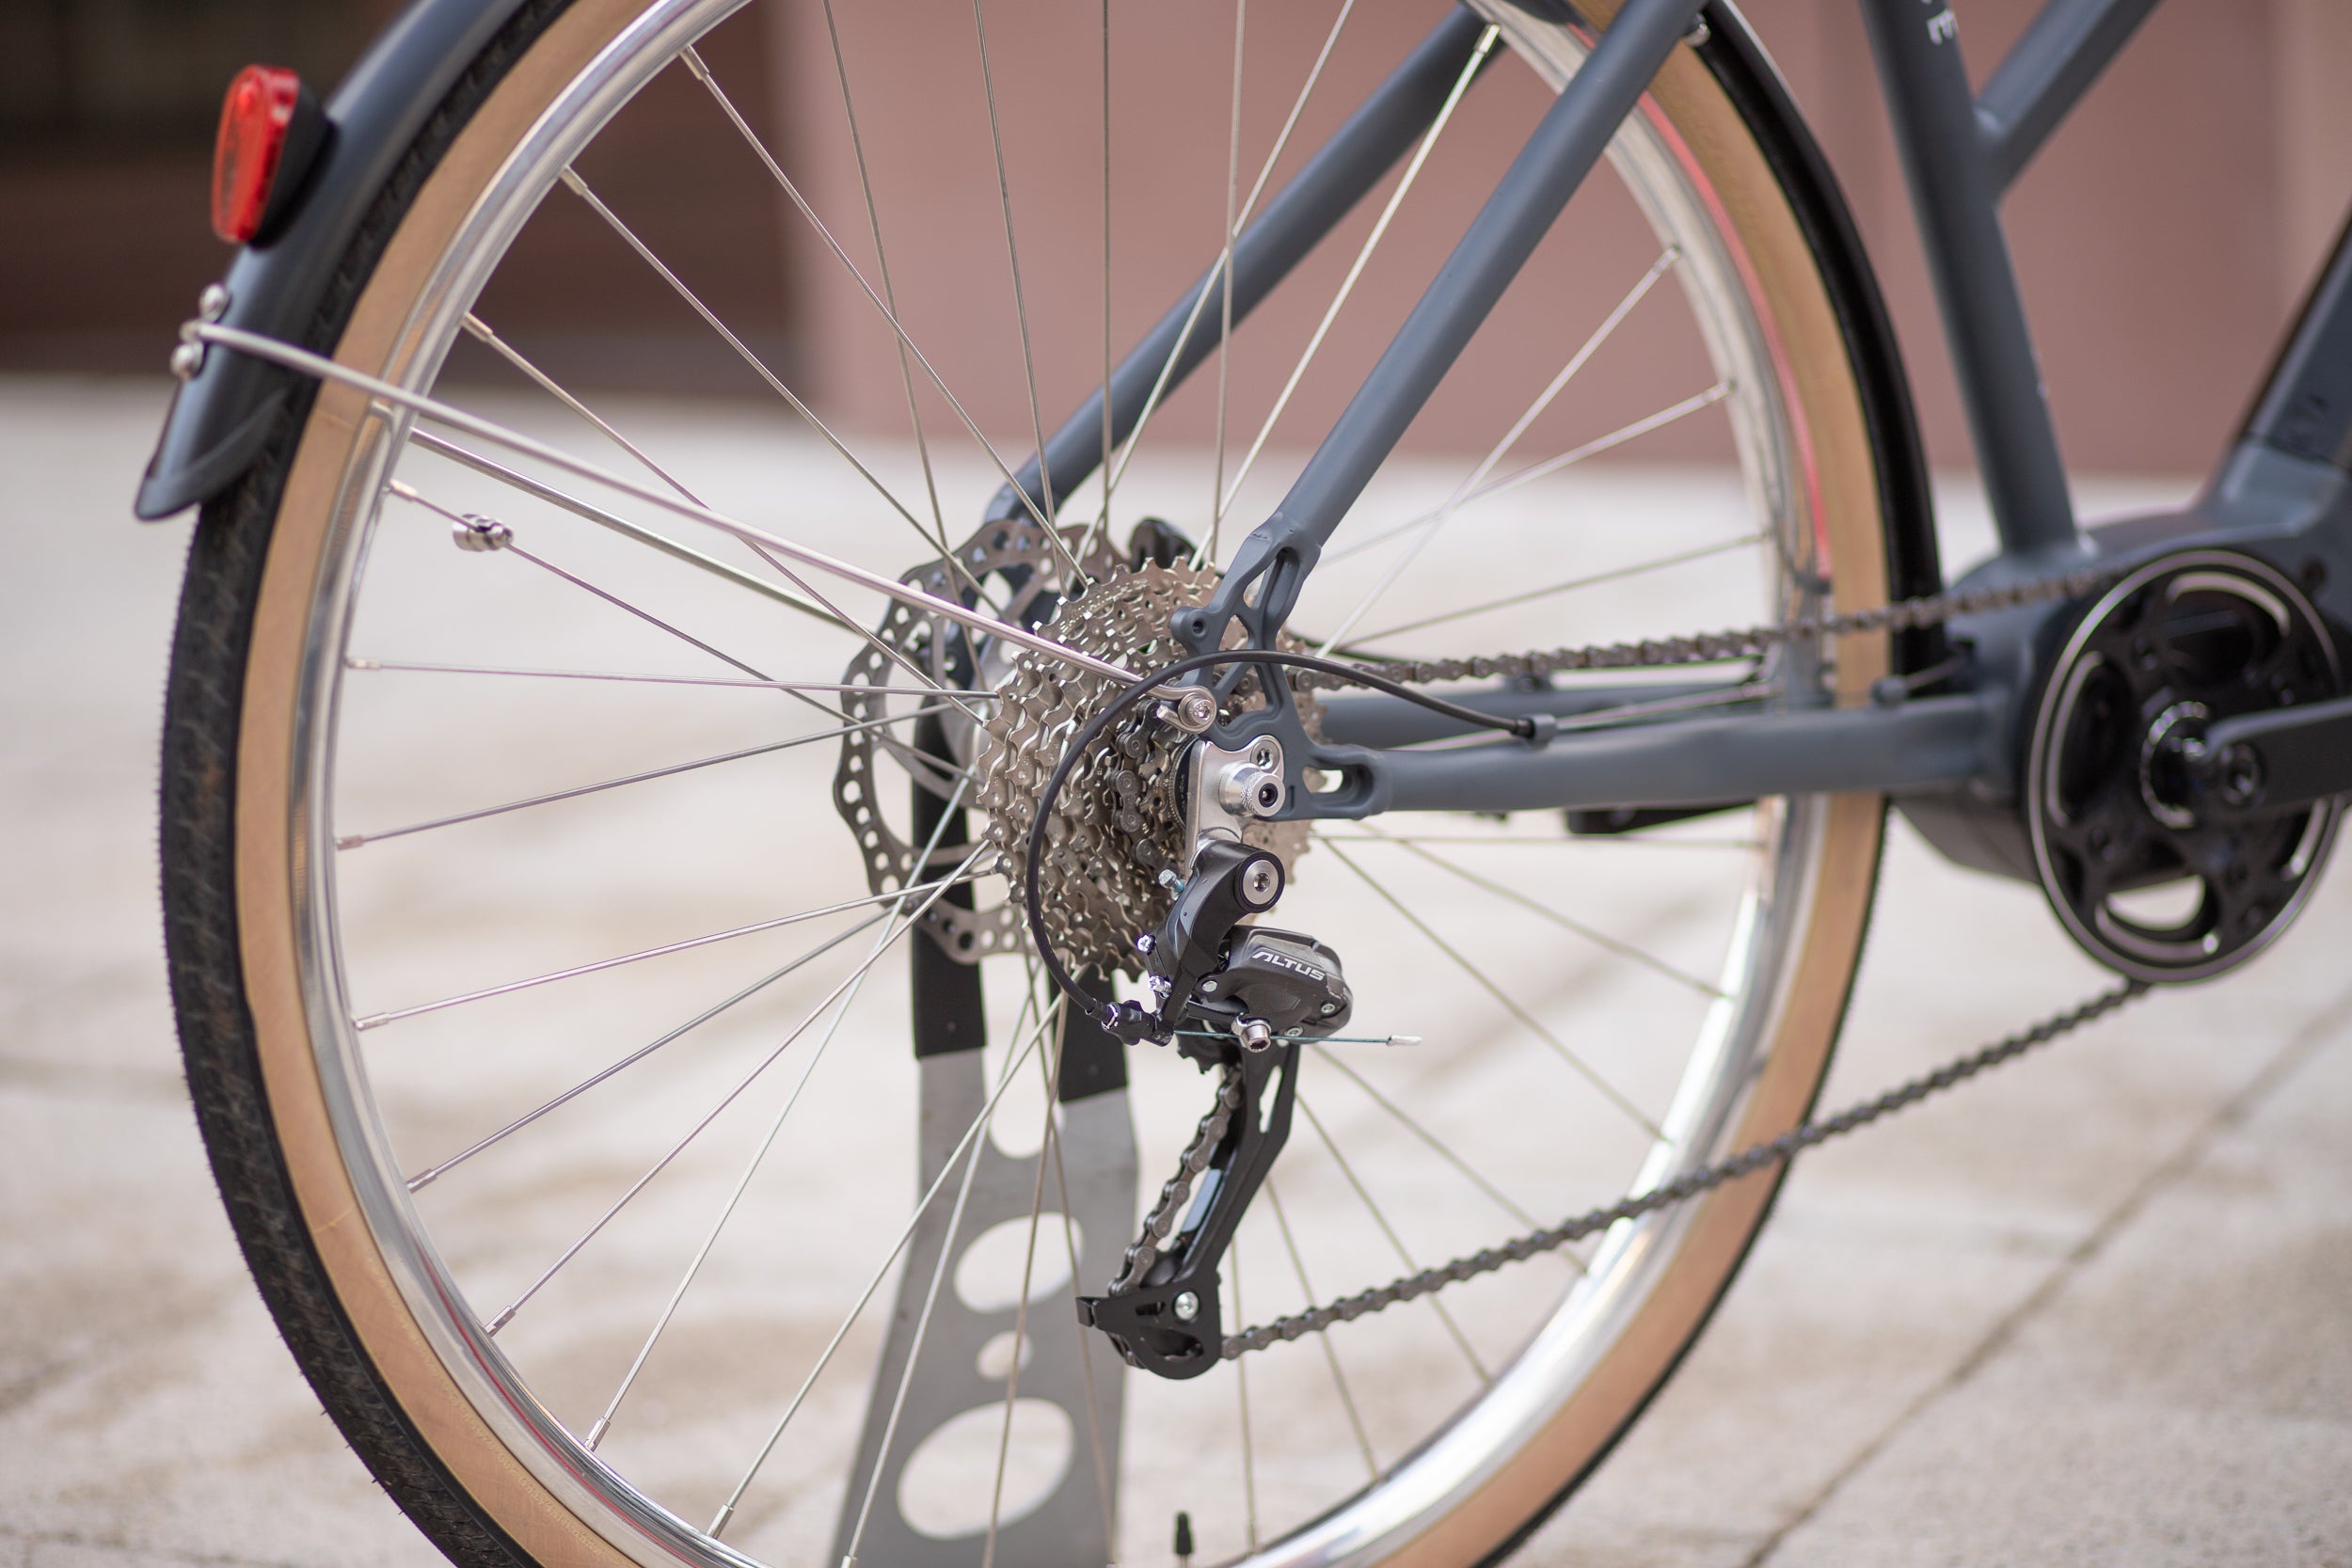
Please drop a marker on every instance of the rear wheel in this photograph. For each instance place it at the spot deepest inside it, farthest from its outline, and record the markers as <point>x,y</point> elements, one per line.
<point>551,911</point>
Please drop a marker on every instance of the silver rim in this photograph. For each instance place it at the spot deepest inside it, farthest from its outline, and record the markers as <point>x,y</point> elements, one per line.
<point>392,1112</point>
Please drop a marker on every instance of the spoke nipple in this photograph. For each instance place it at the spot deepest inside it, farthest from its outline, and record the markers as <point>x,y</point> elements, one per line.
<point>721,1522</point>
<point>473,532</point>
<point>596,1434</point>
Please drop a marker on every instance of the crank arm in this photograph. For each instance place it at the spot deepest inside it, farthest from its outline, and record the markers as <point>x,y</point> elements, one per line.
<point>2263,764</point>
<point>1169,1323</point>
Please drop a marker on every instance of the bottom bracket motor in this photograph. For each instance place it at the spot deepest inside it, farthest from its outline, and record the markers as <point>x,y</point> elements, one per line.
<point>2149,862</point>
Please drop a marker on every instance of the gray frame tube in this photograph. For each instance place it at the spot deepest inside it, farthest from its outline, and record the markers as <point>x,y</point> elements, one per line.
<point>1342,171</point>
<point>2056,58</point>
<point>1954,200</point>
<point>1566,143</point>
<point>1932,743</point>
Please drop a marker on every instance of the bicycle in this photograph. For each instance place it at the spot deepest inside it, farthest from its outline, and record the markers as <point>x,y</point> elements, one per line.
<point>1085,765</point>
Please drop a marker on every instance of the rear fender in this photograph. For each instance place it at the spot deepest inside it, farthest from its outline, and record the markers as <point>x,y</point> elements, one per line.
<point>224,412</point>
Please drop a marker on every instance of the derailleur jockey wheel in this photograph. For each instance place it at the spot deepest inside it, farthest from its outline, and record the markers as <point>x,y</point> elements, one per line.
<point>2143,841</point>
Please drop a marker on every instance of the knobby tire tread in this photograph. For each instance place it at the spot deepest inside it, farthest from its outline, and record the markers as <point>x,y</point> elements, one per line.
<point>203,712</point>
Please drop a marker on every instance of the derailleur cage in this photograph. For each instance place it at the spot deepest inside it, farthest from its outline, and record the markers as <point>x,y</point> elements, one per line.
<point>1238,998</point>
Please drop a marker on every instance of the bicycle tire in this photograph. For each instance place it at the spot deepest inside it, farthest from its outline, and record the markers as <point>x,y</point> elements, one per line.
<point>227,730</point>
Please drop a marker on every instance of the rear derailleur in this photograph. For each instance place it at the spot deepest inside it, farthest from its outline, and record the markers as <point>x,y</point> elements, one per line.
<point>1238,999</point>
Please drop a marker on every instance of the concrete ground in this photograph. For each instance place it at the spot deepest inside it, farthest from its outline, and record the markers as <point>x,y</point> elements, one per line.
<point>2096,1310</point>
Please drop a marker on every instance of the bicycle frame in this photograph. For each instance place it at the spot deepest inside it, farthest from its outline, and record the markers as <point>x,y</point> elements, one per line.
<point>2282,491</point>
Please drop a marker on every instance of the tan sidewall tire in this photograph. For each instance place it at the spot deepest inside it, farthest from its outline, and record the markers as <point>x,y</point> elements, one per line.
<point>270,828</point>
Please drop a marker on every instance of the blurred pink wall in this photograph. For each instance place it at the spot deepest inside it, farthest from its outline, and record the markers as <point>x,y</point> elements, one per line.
<point>2163,236</point>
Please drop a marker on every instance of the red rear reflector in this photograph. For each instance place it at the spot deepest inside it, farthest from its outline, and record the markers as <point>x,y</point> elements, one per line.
<point>254,122</point>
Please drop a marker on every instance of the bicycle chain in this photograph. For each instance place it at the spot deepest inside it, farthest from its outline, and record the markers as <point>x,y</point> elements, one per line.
<point>1684,1188</point>
<point>1708,647</point>
<point>1177,1191</point>
<point>1746,642</point>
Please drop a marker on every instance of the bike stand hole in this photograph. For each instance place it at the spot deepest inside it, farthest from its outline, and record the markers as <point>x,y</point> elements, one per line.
<point>987,1276</point>
<point>945,1490</point>
<point>996,1358</point>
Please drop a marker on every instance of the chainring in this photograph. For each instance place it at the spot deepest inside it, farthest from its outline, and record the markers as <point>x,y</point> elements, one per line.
<point>2177,647</point>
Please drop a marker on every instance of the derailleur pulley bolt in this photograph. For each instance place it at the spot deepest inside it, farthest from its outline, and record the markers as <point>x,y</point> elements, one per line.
<point>1187,1306</point>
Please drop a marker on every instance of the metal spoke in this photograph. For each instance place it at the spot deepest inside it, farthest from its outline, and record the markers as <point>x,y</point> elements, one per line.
<point>354,841</point>
<point>277,353</point>
<point>1478,976</point>
<point>751,1168</point>
<point>1103,524</point>
<point>922,1331</point>
<point>1372,243</point>
<point>914,761</point>
<point>405,667</point>
<point>596,515</point>
<point>480,330</point>
<point>1012,255</point>
<point>1576,841</point>
<point>1330,1354</point>
<point>1437,1144</point>
<point>887,307</point>
<point>1396,1243</point>
<point>887,302</point>
<point>881,257</point>
<point>1589,580</point>
<point>433,1172</point>
<point>1225,288</point>
<point>1201,301</point>
<point>1598,938</point>
<point>1086,1362</point>
<point>578,187</point>
<point>961,875</point>
<point>1574,455</point>
<point>1050,1064</point>
<point>1477,476</point>
<point>905,925</point>
<point>922,1206</point>
<point>1241,1385</point>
